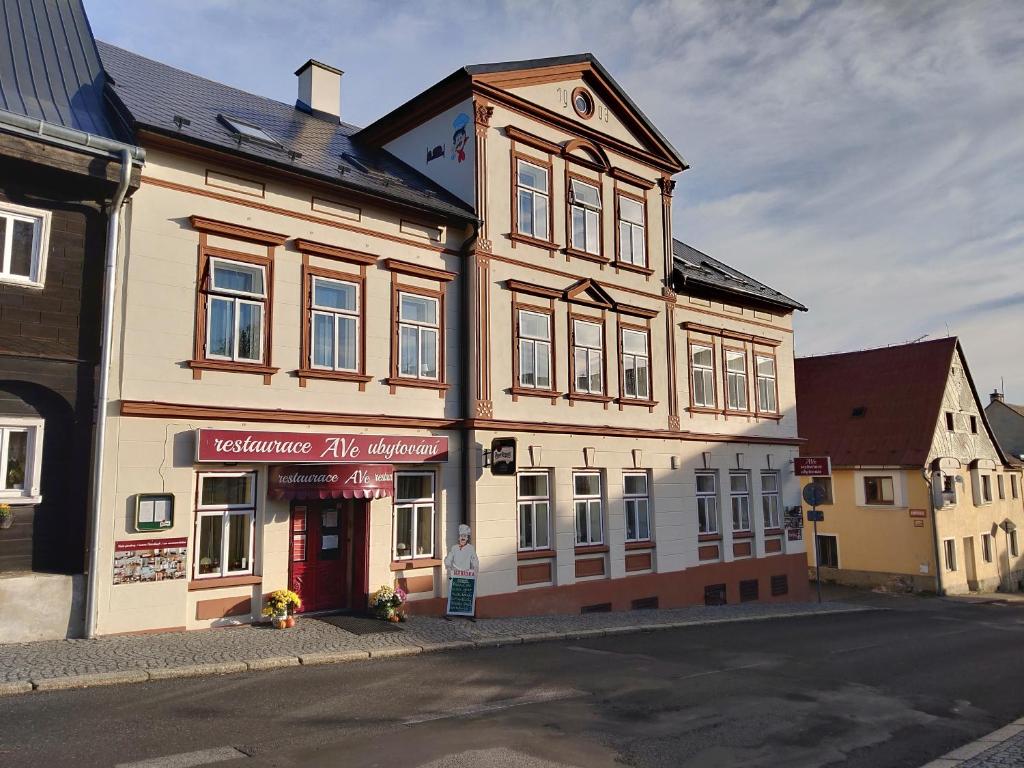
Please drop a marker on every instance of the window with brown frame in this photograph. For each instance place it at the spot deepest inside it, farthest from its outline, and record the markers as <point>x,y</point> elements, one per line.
<point>635,363</point>
<point>702,375</point>
<point>417,339</point>
<point>587,356</point>
<point>632,229</point>
<point>234,308</point>
<point>584,216</point>
<point>533,198</point>
<point>534,356</point>
<point>767,384</point>
<point>735,379</point>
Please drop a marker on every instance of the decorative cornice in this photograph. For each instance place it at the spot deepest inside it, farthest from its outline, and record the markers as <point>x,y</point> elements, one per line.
<point>418,270</point>
<point>334,252</point>
<point>236,231</point>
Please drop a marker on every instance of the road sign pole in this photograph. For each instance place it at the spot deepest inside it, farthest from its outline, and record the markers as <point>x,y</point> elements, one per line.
<point>817,554</point>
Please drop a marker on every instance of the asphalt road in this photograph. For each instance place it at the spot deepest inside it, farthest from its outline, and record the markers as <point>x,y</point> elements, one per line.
<point>886,688</point>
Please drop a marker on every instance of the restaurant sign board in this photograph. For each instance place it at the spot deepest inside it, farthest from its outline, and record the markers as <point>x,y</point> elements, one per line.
<point>332,481</point>
<point>241,445</point>
<point>812,466</point>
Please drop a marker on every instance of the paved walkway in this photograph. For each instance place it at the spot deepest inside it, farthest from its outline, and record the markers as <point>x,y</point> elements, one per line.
<point>1000,749</point>
<point>57,664</point>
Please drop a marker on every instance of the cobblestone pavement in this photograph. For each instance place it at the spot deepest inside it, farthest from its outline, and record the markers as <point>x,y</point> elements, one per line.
<point>313,641</point>
<point>1000,749</point>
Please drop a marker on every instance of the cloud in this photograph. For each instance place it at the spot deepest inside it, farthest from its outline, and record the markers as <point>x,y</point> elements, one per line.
<point>866,158</point>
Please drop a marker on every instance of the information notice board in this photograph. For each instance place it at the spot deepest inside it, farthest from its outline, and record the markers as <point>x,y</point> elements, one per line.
<point>462,593</point>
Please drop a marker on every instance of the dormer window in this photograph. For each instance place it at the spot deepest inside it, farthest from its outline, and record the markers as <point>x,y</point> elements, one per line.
<point>248,131</point>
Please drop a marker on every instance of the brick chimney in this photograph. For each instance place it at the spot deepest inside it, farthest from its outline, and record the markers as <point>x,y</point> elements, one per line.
<point>996,396</point>
<point>319,90</point>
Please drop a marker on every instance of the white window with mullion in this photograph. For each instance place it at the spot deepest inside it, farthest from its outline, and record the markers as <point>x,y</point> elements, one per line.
<point>585,215</point>
<point>418,336</point>
<point>24,238</point>
<point>637,503</point>
<point>534,330</point>
<point>766,399</point>
<point>225,521</point>
<point>739,496</point>
<point>702,364</point>
<point>588,357</point>
<point>632,248</point>
<point>414,511</point>
<point>21,453</point>
<point>736,380</point>
<point>532,199</point>
<point>707,502</point>
<point>533,499</point>
<point>334,325</point>
<point>636,365</point>
<point>236,308</point>
<point>587,502</point>
<point>770,500</point>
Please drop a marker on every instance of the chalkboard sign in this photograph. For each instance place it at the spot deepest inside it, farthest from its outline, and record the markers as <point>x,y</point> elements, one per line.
<point>462,596</point>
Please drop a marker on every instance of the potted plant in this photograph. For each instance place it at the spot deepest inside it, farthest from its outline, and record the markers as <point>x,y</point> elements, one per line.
<point>387,603</point>
<point>281,603</point>
<point>6,516</point>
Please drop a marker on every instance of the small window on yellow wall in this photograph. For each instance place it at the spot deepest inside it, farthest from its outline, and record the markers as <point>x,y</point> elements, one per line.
<point>879,490</point>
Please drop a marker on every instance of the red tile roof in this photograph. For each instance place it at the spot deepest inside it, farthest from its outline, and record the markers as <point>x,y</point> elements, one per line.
<point>899,389</point>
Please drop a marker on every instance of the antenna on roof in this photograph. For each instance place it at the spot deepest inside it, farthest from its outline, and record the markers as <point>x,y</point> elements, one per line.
<point>181,122</point>
<point>294,155</point>
<point>920,338</point>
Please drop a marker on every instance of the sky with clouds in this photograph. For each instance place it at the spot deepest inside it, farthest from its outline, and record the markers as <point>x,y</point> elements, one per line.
<point>866,158</point>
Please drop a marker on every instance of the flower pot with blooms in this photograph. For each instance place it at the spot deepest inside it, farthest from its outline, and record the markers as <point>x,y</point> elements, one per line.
<point>6,516</point>
<point>280,604</point>
<point>387,603</point>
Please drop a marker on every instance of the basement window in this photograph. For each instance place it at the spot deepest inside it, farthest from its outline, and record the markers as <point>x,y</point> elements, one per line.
<point>249,131</point>
<point>859,412</point>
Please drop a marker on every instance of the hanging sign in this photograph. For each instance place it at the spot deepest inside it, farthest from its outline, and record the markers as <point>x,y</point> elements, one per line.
<point>812,466</point>
<point>461,593</point>
<point>331,481</point>
<point>240,445</point>
<point>503,456</point>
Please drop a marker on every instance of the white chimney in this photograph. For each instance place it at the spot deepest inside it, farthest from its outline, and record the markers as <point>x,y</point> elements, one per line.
<point>319,89</point>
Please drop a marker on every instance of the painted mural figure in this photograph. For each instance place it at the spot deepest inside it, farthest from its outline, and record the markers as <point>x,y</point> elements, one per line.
<point>460,137</point>
<point>461,559</point>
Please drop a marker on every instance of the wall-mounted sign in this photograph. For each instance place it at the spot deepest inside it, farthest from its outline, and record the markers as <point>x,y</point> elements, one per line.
<point>143,560</point>
<point>794,518</point>
<point>795,534</point>
<point>239,445</point>
<point>154,511</point>
<point>918,513</point>
<point>503,456</point>
<point>812,466</point>
<point>331,481</point>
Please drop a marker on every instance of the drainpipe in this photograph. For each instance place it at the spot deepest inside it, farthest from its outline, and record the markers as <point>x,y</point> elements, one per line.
<point>109,274</point>
<point>939,589</point>
<point>468,372</point>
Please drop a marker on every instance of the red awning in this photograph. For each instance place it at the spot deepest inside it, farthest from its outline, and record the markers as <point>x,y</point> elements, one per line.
<point>331,481</point>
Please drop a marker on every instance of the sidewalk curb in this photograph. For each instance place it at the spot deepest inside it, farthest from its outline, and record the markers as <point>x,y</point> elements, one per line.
<point>317,658</point>
<point>974,748</point>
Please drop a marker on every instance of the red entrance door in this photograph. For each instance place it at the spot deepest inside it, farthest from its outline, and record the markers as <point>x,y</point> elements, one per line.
<point>328,545</point>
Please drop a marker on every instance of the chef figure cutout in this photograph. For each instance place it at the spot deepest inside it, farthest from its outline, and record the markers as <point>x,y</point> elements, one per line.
<point>462,565</point>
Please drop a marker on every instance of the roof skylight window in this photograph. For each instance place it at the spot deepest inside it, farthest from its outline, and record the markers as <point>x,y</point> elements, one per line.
<point>248,131</point>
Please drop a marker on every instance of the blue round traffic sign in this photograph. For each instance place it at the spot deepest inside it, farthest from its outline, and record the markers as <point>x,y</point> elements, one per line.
<point>815,494</point>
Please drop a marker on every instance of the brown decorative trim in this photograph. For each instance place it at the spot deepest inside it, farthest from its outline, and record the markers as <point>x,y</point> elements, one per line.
<point>535,554</point>
<point>627,267</point>
<point>742,549</point>
<point>548,394</point>
<point>586,255</point>
<point>730,334</point>
<point>534,573</point>
<point>546,245</point>
<point>569,275</point>
<point>671,364</point>
<point>711,313</point>
<point>316,373</point>
<point>630,309</point>
<point>772,531</point>
<point>236,231</point>
<point>589,566</point>
<point>575,294</point>
<point>400,381</point>
<point>540,427</point>
<point>590,549</point>
<point>418,270</point>
<point>639,562</point>
<point>632,401</point>
<point>232,366</point>
<point>708,553</point>
<point>334,252</point>
<point>534,290</point>
<point>709,537</point>
<point>420,562</point>
<point>161,410</point>
<point>223,607</point>
<point>743,534</point>
<point>306,369</point>
<point>314,200</point>
<point>773,545</point>
<point>589,96</point>
<point>417,584</point>
<point>226,581</point>
<point>530,140</point>
<point>290,213</point>
<point>630,178</point>
<point>632,545</point>
<point>261,194</point>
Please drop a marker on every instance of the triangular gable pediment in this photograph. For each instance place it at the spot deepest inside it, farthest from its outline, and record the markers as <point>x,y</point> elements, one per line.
<point>590,293</point>
<point>551,88</point>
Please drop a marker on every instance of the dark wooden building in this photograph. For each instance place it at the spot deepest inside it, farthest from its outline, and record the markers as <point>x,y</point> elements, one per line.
<point>60,166</point>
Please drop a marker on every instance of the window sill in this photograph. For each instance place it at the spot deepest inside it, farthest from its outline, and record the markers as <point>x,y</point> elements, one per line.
<point>15,501</point>
<point>547,245</point>
<point>631,545</point>
<point>772,531</point>
<point>595,257</point>
<point>646,271</point>
<point>14,282</point>
<point>591,549</point>
<point>704,409</point>
<point>589,398</point>
<point>633,401</point>
<point>709,537</point>
<point>528,392</point>
<point>734,412</point>
<point>535,554</point>
<point>224,581</point>
<point>419,562</point>
<point>398,381</point>
<point>767,415</point>
<point>198,366</point>
<point>743,534</point>
<point>316,373</point>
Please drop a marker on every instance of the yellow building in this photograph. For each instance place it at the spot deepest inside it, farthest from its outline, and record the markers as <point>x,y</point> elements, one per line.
<point>920,495</point>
